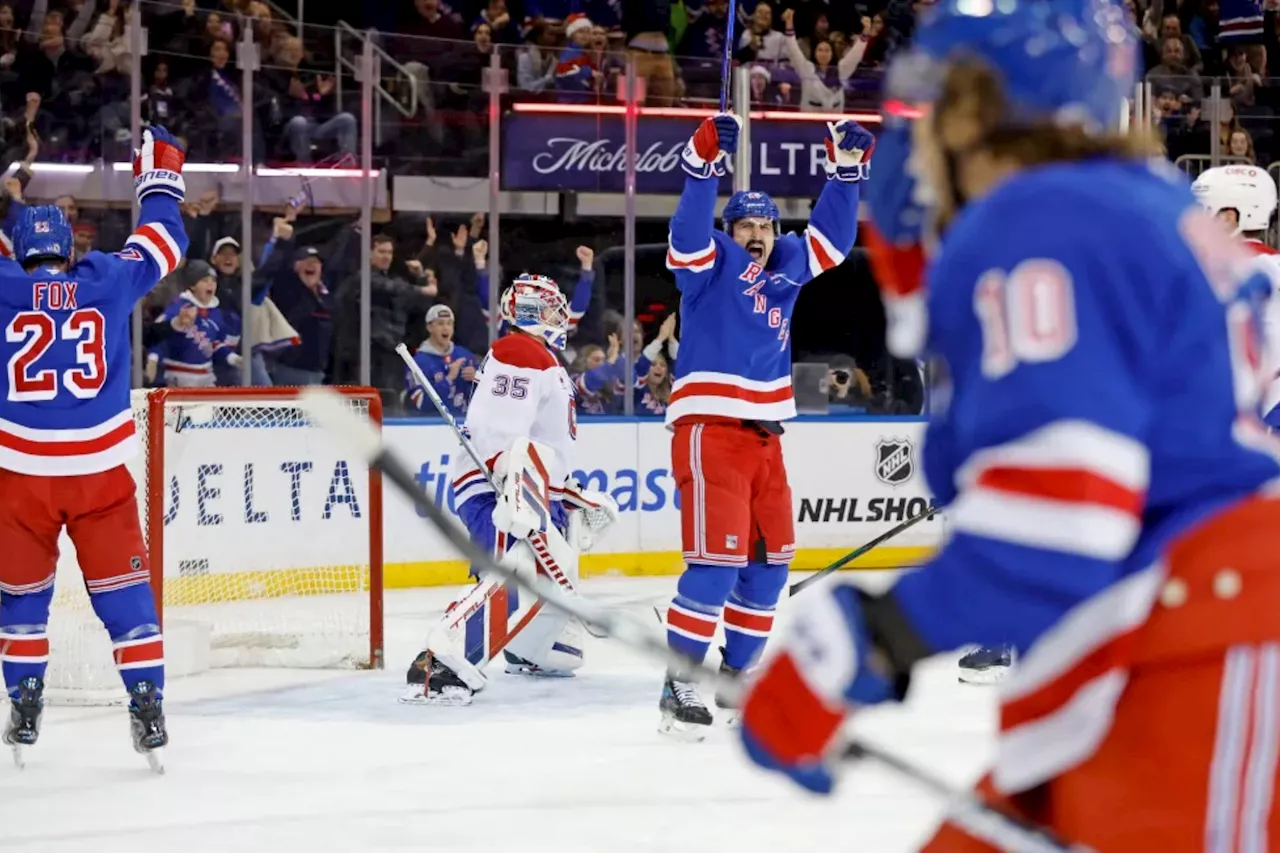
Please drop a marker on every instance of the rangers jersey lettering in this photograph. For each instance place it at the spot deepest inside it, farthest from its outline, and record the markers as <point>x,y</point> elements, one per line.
<point>735,353</point>
<point>65,406</point>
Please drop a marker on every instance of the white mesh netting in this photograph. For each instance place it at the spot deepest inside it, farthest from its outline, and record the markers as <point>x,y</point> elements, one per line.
<point>265,548</point>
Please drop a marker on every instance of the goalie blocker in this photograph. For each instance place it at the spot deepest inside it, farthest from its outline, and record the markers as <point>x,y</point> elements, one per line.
<point>536,529</point>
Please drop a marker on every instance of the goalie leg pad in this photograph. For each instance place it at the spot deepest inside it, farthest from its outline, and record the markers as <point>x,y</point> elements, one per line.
<point>748,614</point>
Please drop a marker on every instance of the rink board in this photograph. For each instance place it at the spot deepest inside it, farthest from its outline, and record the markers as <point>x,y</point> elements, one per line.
<point>258,514</point>
<point>851,481</point>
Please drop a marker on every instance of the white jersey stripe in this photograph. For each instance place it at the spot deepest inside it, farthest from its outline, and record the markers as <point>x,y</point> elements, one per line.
<point>1099,532</point>
<point>1068,444</point>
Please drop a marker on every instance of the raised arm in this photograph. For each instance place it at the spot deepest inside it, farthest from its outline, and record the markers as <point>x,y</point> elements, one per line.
<point>833,227</point>
<point>160,240</point>
<point>692,253</point>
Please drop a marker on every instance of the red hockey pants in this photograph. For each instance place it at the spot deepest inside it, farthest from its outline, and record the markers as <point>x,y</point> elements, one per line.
<point>735,503</point>
<point>100,512</point>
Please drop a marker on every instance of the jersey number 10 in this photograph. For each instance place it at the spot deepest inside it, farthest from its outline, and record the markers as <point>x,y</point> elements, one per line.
<point>1027,315</point>
<point>37,332</point>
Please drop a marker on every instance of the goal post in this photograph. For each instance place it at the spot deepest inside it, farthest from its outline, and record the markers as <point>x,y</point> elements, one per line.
<point>264,537</point>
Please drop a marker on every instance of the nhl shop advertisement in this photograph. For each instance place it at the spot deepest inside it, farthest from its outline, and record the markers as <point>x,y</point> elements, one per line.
<point>588,154</point>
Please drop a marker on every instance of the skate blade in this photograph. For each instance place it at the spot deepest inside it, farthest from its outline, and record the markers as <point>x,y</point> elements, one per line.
<point>983,677</point>
<point>450,697</point>
<point>19,759</point>
<point>517,669</point>
<point>684,732</point>
<point>730,718</point>
<point>155,760</point>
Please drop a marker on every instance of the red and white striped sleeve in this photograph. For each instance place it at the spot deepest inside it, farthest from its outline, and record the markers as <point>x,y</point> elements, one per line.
<point>1069,486</point>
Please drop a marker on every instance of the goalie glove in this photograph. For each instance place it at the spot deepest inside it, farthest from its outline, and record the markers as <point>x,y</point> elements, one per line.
<point>849,150</point>
<point>598,511</point>
<point>715,138</point>
<point>157,165</point>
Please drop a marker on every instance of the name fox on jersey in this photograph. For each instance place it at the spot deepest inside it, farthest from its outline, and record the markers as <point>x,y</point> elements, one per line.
<point>54,295</point>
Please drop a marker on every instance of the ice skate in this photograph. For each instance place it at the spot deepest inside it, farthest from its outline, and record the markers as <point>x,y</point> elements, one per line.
<point>519,666</point>
<point>986,665</point>
<point>684,715</point>
<point>728,708</point>
<point>23,728</point>
<point>146,721</point>
<point>430,682</point>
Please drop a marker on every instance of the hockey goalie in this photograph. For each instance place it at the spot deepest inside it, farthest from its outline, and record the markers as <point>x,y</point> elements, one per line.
<point>521,504</point>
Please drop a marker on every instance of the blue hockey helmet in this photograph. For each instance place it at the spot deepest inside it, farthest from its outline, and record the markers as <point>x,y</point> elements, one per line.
<point>747,205</point>
<point>42,233</point>
<point>1071,62</point>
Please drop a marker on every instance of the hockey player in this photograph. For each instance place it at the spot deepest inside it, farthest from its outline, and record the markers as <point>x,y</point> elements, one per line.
<point>1244,197</point>
<point>1109,486</point>
<point>66,431</point>
<point>521,422</point>
<point>732,388</point>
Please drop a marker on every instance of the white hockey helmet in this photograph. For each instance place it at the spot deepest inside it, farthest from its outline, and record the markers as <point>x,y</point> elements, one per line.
<point>534,304</point>
<point>1248,190</point>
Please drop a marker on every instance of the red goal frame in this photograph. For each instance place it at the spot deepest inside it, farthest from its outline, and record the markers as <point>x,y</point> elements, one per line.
<point>156,400</point>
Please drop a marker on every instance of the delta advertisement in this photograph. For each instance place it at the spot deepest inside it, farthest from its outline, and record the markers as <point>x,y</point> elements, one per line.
<point>271,501</point>
<point>588,154</point>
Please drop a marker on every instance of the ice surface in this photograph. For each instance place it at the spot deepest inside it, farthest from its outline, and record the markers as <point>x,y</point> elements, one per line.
<point>271,760</point>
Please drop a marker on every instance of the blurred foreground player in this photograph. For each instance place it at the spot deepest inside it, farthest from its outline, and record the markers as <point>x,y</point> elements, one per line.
<point>66,432</point>
<point>1110,486</point>
<point>522,424</point>
<point>732,389</point>
<point>1244,197</point>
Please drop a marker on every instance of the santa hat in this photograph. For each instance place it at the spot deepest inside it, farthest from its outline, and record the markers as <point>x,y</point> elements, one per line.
<point>576,21</point>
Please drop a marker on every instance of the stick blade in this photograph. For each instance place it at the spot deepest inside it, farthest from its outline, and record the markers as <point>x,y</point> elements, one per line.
<point>331,412</point>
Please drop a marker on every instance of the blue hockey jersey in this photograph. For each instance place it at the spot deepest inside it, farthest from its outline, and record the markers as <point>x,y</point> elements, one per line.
<point>188,356</point>
<point>65,408</point>
<point>1240,21</point>
<point>1104,391</point>
<point>435,366</point>
<point>735,353</point>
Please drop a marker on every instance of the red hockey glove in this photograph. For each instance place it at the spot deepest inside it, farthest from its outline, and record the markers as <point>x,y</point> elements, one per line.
<point>157,165</point>
<point>849,150</point>
<point>798,702</point>
<point>714,138</point>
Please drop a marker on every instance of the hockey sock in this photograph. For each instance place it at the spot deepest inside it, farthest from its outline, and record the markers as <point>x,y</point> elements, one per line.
<point>24,638</point>
<point>748,614</point>
<point>695,611</point>
<point>130,617</point>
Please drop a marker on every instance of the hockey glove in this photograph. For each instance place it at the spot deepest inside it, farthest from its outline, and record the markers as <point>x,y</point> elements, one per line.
<point>599,511</point>
<point>849,150</point>
<point>157,165</point>
<point>895,239</point>
<point>798,701</point>
<point>714,138</point>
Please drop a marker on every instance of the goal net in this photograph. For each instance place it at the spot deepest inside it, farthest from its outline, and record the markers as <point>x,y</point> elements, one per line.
<point>265,542</point>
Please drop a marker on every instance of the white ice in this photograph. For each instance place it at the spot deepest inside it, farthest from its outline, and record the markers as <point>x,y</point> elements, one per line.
<point>271,760</point>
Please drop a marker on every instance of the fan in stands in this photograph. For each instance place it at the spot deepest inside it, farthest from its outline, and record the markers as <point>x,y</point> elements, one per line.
<point>71,431</point>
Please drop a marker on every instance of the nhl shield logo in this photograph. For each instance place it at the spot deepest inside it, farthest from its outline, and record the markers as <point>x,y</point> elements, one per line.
<point>895,461</point>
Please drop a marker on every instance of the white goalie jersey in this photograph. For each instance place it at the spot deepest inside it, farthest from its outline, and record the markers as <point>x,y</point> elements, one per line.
<point>521,391</point>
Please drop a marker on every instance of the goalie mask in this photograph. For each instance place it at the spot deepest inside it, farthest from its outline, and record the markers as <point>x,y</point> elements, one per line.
<point>1247,190</point>
<point>535,305</point>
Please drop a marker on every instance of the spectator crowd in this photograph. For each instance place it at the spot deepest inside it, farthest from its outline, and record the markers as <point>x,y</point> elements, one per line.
<point>65,81</point>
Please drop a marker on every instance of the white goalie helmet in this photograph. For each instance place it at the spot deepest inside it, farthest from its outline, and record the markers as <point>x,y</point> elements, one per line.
<point>1248,190</point>
<point>534,304</point>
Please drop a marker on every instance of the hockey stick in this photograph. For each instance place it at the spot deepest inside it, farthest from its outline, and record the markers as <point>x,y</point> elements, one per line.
<point>967,809</point>
<point>858,552</point>
<point>726,68</point>
<point>420,378</point>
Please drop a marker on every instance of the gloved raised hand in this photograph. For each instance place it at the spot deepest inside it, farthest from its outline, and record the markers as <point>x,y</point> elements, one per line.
<point>157,165</point>
<point>715,138</point>
<point>849,150</point>
<point>798,700</point>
